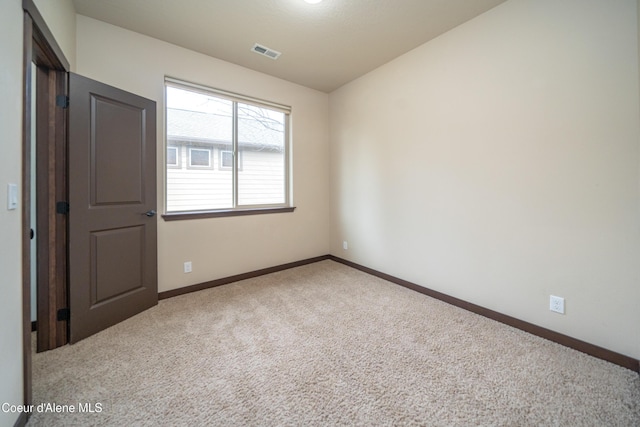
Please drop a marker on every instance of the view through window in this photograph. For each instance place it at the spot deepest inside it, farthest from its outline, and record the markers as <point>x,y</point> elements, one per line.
<point>235,151</point>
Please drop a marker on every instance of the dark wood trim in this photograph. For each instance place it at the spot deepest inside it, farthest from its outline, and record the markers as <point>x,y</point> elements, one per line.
<point>51,226</point>
<point>44,38</point>
<point>60,193</point>
<point>238,277</point>
<point>43,294</point>
<point>41,48</point>
<point>26,208</point>
<point>22,420</point>
<point>223,213</point>
<point>567,341</point>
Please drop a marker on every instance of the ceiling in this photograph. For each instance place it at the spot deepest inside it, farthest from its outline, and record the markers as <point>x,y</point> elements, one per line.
<point>323,46</point>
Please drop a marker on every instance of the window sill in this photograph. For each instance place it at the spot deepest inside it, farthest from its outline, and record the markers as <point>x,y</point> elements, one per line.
<point>177,216</point>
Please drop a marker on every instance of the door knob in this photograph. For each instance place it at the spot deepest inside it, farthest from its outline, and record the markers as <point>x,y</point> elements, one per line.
<point>150,213</point>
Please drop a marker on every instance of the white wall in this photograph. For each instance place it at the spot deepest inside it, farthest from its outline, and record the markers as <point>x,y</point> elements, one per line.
<point>10,221</point>
<point>498,163</point>
<point>220,247</point>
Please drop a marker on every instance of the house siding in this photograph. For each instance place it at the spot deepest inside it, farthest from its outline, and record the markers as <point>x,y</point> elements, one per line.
<point>261,180</point>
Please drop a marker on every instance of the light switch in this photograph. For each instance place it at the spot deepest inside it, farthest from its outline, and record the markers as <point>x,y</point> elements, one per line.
<point>12,196</point>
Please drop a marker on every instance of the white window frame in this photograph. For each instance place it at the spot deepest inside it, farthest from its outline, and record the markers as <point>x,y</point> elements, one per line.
<point>286,206</point>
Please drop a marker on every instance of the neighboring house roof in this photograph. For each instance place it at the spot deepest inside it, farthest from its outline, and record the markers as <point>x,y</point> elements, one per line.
<point>207,128</point>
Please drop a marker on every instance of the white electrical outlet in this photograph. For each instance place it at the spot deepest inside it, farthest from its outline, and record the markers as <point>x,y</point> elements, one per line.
<point>556,304</point>
<point>345,245</point>
<point>188,267</point>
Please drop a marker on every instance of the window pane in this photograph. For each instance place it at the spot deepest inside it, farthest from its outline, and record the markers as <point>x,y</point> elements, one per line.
<point>199,157</point>
<point>172,156</point>
<point>226,159</point>
<point>261,138</point>
<point>194,118</point>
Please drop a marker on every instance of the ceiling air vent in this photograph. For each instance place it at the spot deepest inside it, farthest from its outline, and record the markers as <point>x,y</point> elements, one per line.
<point>263,50</point>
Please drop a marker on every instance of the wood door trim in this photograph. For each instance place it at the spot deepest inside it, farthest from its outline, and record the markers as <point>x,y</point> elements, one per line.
<point>26,208</point>
<point>51,227</point>
<point>60,193</point>
<point>39,47</point>
<point>42,201</point>
<point>22,420</point>
<point>44,38</point>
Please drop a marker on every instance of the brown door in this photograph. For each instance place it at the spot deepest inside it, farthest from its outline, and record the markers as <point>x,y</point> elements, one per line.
<point>112,202</point>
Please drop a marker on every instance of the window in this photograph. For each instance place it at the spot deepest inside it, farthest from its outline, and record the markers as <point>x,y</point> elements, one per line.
<point>199,158</point>
<point>226,159</point>
<point>251,137</point>
<point>173,157</point>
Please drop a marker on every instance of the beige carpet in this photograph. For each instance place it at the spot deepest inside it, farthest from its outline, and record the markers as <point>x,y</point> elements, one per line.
<point>325,344</point>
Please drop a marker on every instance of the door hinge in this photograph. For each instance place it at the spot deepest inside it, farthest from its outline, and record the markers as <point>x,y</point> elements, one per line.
<point>62,101</point>
<point>62,208</point>
<point>64,314</point>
